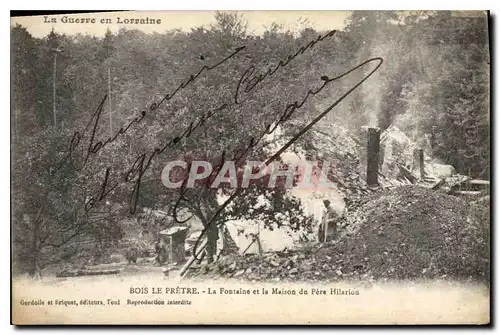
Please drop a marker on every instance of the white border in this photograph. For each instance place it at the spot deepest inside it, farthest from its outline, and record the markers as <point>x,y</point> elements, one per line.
<point>198,5</point>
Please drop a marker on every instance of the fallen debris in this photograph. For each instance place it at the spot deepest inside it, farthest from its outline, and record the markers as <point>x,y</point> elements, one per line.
<point>79,273</point>
<point>408,232</point>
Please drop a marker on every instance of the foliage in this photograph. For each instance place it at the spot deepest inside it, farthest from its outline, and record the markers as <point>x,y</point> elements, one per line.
<point>435,85</point>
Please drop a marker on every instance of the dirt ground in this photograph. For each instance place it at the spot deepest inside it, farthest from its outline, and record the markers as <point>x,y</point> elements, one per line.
<point>408,233</point>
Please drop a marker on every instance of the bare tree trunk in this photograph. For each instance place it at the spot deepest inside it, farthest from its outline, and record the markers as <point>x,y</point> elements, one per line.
<point>210,207</point>
<point>212,234</point>
<point>258,239</point>
<point>34,268</point>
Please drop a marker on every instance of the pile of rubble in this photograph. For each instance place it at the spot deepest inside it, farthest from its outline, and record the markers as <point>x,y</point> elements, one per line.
<point>288,265</point>
<point>405,233</point>
<point>413,232</point>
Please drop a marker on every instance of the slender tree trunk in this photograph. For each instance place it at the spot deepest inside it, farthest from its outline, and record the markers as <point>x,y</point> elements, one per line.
<point>209,208</point>
<point>34,269</point>
<point>212,234</point>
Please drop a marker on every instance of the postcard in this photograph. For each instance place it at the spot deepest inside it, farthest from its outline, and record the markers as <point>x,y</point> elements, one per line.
<point>250,168</point>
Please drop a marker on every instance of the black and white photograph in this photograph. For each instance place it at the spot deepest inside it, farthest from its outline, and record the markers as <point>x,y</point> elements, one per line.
<point>229,162</point>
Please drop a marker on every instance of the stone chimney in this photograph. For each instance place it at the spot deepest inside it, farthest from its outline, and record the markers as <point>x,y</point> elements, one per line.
<point>418,163</point>
<point>370,155</point>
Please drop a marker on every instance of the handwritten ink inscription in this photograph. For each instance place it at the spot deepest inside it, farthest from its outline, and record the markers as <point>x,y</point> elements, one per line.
<point>87,145</point>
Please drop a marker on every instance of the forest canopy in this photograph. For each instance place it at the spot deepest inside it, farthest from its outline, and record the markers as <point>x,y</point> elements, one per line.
<point>433,85</point>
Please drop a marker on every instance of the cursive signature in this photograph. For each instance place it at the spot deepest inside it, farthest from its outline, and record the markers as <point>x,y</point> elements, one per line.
<point>288,111</point>
<point>248,82</point>
<point>143,161</point>
<point>95,146</point>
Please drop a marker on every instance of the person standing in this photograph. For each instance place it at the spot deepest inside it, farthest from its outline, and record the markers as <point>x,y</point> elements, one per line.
<point>328,227</point>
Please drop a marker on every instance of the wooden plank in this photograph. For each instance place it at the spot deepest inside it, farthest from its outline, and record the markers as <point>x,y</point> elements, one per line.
<point>479,182</point>
<point>438,185</point>
<point>467,192</point>
<point>80,273</point>
<point>407,174</point>
<point>191,260</point>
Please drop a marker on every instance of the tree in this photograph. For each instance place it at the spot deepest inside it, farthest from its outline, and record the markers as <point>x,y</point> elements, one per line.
<point>434,85</point>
